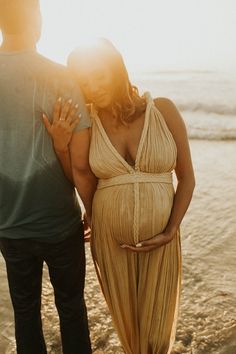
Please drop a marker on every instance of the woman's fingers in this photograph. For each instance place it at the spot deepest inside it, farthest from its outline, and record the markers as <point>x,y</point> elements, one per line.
<point>87,229</point>
<point>140,249</point>
<point>72,114</point>
<point>87,236</point>
<point>47,123</point>
<point>65,110</point>
<point>157,241</point>
<point>148,245</point>
<point>73,125</point>
<point>57,110</point>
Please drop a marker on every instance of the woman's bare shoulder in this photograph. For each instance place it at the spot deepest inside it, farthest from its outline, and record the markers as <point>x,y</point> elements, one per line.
<point>165,105</point>
<point>170,113</point>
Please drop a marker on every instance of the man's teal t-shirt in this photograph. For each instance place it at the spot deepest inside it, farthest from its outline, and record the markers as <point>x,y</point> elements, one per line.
<point>36,199</point>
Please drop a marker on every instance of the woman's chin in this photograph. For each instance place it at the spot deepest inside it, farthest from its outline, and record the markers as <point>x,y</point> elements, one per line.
<point>102,103</point>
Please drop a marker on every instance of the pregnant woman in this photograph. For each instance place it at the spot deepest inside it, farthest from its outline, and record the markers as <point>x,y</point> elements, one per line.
<point>137,143</point>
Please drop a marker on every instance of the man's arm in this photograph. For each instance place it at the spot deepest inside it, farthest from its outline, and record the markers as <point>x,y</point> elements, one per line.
<point>84,180</point>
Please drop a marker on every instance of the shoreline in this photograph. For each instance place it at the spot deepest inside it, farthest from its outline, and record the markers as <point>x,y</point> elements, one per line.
<point>207,318</point>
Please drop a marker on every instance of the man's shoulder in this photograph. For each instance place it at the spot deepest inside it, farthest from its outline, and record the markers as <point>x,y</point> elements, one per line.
<point>56,75</point>
<point>51,67</point>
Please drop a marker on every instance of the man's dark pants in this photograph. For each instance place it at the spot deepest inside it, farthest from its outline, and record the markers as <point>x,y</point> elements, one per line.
<point>66,263</point>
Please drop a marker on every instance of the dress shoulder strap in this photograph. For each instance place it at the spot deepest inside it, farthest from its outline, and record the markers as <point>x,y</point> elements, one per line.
<point>148,98</point>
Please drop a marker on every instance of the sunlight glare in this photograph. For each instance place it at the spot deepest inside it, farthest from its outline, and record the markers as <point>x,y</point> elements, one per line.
<point>151,34</point>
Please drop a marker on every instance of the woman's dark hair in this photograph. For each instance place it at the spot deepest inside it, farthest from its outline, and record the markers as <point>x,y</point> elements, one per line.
<point>127,103</point>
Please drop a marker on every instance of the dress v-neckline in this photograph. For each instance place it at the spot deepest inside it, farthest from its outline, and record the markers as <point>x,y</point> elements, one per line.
<point>140,144</point>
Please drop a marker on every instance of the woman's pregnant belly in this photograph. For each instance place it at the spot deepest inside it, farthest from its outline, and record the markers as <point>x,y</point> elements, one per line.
<point>117,212</point>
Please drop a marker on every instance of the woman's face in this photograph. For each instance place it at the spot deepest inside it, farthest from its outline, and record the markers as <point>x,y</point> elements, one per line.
<point>96,83</point>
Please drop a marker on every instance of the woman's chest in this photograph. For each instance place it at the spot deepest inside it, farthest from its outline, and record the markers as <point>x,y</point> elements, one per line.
<point>125,138</point>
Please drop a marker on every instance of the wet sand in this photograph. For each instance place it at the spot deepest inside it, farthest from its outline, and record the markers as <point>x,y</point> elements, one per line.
<point>207,319</point>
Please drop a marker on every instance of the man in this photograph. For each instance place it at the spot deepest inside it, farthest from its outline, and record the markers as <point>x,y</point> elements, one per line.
<point>40,219</point>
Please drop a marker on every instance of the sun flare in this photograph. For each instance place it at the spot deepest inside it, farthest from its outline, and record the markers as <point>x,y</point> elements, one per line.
<point>151,34</point>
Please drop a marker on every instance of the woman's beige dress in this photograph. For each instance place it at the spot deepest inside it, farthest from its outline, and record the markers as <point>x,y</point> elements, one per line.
<point>132,204</point>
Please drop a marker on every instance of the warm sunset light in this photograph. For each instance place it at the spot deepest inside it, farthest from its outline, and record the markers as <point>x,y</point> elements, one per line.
<point>139,125</point>
<point>152,34</point>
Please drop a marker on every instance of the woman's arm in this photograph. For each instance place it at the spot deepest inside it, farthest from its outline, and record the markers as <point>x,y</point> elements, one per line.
<point>84,179</point>
<point>184,168</point>
<point>61,130</point>
<point>72,150</point>
<point>184,173</point>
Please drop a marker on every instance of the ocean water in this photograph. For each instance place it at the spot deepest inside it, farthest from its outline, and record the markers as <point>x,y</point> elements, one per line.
<point>207,100</point>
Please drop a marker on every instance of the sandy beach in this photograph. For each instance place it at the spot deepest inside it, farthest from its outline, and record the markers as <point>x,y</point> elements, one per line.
<point>207,319</point>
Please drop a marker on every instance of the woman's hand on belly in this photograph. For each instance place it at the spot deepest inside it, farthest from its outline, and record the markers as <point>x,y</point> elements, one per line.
<point>151,244</point>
